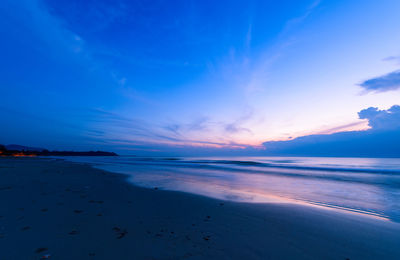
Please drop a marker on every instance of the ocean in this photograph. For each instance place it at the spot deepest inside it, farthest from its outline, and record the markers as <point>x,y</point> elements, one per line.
<point>359,185</point>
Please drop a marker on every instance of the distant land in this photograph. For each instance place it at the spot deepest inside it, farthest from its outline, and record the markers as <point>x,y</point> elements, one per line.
<point>19,150</point>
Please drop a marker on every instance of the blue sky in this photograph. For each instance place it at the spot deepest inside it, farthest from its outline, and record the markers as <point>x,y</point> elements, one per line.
<point>185,76</point>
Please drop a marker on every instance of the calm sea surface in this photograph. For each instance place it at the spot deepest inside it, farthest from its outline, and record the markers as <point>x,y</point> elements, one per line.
<point>364,185</point>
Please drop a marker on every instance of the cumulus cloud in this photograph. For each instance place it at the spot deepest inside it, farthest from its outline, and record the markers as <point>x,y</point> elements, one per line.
<point>381,140</point>
<point>382,119</point>
<point>392,58</point>
<point>387,82</point>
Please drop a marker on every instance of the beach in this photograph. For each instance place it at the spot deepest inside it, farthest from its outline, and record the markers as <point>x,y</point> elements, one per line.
<point>63,210</point>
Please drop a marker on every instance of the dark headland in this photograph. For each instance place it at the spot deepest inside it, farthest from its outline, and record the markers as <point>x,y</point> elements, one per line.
<point>18,150</point>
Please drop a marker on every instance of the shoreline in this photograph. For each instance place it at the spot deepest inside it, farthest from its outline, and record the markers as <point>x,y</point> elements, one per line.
<point>272,200</point>
<point>75,211</point>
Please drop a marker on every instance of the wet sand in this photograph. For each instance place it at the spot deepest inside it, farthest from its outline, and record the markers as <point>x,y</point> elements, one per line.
<point>63,210</point>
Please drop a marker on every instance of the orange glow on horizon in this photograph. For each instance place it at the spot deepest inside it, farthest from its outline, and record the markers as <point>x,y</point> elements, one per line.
<point>20,154</point>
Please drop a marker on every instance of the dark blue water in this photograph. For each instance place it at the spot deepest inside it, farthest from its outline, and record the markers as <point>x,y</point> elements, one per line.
<point>361,185</point>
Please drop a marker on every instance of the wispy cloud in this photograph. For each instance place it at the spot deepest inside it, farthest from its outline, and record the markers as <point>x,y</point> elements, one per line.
<point>387,82</point>
<point>237,125</point>
<point>106,126</point>
<point>57,39</point>
<point>393,58</point>
<point>344,128</point>
<point>292,23</point>
<point>259,68</point>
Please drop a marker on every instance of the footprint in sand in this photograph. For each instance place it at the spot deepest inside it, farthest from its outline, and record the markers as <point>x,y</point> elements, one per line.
<point>25,228</point>
<point>96,201</point>
<point>40,250</point>
<point>73,232</point>
<point>120,232</point>
<point>5,188</point>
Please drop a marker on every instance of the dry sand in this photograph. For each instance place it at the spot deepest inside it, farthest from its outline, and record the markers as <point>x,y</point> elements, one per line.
<point>64,210</point>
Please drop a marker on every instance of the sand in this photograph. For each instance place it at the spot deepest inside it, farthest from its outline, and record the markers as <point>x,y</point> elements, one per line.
<point>62,210</point>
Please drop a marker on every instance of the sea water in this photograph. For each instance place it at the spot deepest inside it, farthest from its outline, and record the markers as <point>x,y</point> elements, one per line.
<point>362,185</point>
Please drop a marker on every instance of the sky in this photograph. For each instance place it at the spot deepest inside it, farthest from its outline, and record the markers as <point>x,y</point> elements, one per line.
<point>195,77</point>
